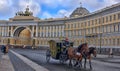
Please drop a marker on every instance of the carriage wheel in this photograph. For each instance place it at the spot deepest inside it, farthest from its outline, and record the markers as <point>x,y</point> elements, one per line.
<point>48,55</point>
<point>74,61</point>
<point>63,58</point>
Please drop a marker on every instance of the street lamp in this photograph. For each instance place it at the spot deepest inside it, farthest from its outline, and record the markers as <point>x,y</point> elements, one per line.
<point>100,41</point>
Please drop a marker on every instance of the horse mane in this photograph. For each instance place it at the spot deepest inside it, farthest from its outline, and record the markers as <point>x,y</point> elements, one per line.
<point>91,49</point>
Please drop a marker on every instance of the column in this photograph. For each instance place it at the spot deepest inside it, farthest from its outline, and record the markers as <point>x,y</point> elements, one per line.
<point>56,30</point>
<point>63,31</point>
<point>59,31</point>
<point>8,31</point>
<point>53,31</point>
<point>2,31</point>
<point>50,31</point>
<point>44,31</point>
<point>47,31</point>
<point>36,30</point>
<point>39,31</point>
<point>33,31</point>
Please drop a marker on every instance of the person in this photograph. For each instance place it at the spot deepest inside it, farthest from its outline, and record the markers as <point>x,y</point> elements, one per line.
<point>7,48</point>
<point>110,52</point>
<point>66,42</point>
<point>3,49</point>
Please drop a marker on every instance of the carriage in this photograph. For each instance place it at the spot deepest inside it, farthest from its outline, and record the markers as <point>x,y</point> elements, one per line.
<point>58,50</point>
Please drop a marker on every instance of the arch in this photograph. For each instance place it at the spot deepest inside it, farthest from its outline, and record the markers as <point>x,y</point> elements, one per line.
<point>19,29</point>
<point>22,36</point>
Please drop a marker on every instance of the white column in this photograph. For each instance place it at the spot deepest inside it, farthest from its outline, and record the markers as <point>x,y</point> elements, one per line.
<point>46,31</point>
<point>11,31</point>
<point>33,31</point>
<point>50,30</point>
<point>0,30</point>
<point>43,32</point>
<point>8,31</point>
<point>53,31</point>
<point>59,31</point>
<point>56,30</point>
<point>40,32</point>
<point>63,30</point>
<point>36,30</point>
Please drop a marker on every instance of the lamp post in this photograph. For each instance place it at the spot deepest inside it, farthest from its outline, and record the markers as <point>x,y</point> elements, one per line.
<point>100,41</point>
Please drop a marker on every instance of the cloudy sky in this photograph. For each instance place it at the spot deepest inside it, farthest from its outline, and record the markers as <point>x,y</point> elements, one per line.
<point>50,8</point>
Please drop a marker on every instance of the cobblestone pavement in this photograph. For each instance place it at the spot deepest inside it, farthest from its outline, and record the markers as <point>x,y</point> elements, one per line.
<point>106,58</point>
<point>38,56</point>
<point>5,63</point>
<point>18,64</point>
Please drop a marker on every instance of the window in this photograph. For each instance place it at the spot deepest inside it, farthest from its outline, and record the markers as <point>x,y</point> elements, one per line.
<point>114,17</point>
<point>110,18</point>
<point>106,18</point>
<point>68,26</point>
<point>92,22</point>
<point>88,23</point>
<point>85,24</point>
<point>75,25</point>
<point>103,19</point>
<point>119,16</point>
<point>95,21</point>
<point>113,41</point>
<point>99,21</point>
<point>110,41</point>
<point>118,41</point>
<point>114,28</point>
<point>119,27</point>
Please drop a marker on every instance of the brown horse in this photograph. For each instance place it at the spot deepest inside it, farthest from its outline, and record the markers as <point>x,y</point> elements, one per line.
<point>74,55</point>
<point>92,50</point>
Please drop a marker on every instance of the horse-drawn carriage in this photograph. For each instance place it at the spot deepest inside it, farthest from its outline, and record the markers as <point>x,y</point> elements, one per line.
<point>58,50</point>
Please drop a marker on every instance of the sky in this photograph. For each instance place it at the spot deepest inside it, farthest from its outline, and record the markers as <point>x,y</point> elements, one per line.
<point>50,8</point>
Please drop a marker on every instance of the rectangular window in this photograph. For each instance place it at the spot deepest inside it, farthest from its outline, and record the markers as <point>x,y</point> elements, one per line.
<point>119,16</point>
<point>113,41</point>
<point>88,23</point>
<point>85,24</point>
<point>119,27</point>
<point>114,28</point>
<point>114,17</point>
<point>92,22</point>
<point>118,41</point>
<point>95,21</point>
<point>106,18</point>
<point>103,20</point>
<point>75,25</point>
<point>110,18</point>
<point>99,21</point>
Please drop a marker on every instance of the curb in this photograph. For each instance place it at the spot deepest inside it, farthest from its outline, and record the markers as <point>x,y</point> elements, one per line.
<point>32,64</point>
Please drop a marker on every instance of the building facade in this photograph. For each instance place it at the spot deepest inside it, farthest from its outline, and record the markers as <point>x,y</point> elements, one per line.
<point>100,28</point>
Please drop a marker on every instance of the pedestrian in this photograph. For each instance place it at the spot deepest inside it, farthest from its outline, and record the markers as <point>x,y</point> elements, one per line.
<point>7,48</point>
<point>3,49</point>
<point>110,52</point>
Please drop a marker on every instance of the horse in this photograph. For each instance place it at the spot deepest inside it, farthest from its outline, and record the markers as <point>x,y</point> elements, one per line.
<point>92,50</point>
<point>74,55</point>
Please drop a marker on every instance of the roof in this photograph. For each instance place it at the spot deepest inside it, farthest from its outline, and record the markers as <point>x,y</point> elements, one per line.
<point>81,11</point>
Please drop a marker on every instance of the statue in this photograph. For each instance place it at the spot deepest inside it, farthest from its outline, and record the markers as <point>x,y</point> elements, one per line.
<point>26,13</point>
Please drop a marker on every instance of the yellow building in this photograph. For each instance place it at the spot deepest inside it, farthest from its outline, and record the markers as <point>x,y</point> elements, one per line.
<point>100,28</point>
